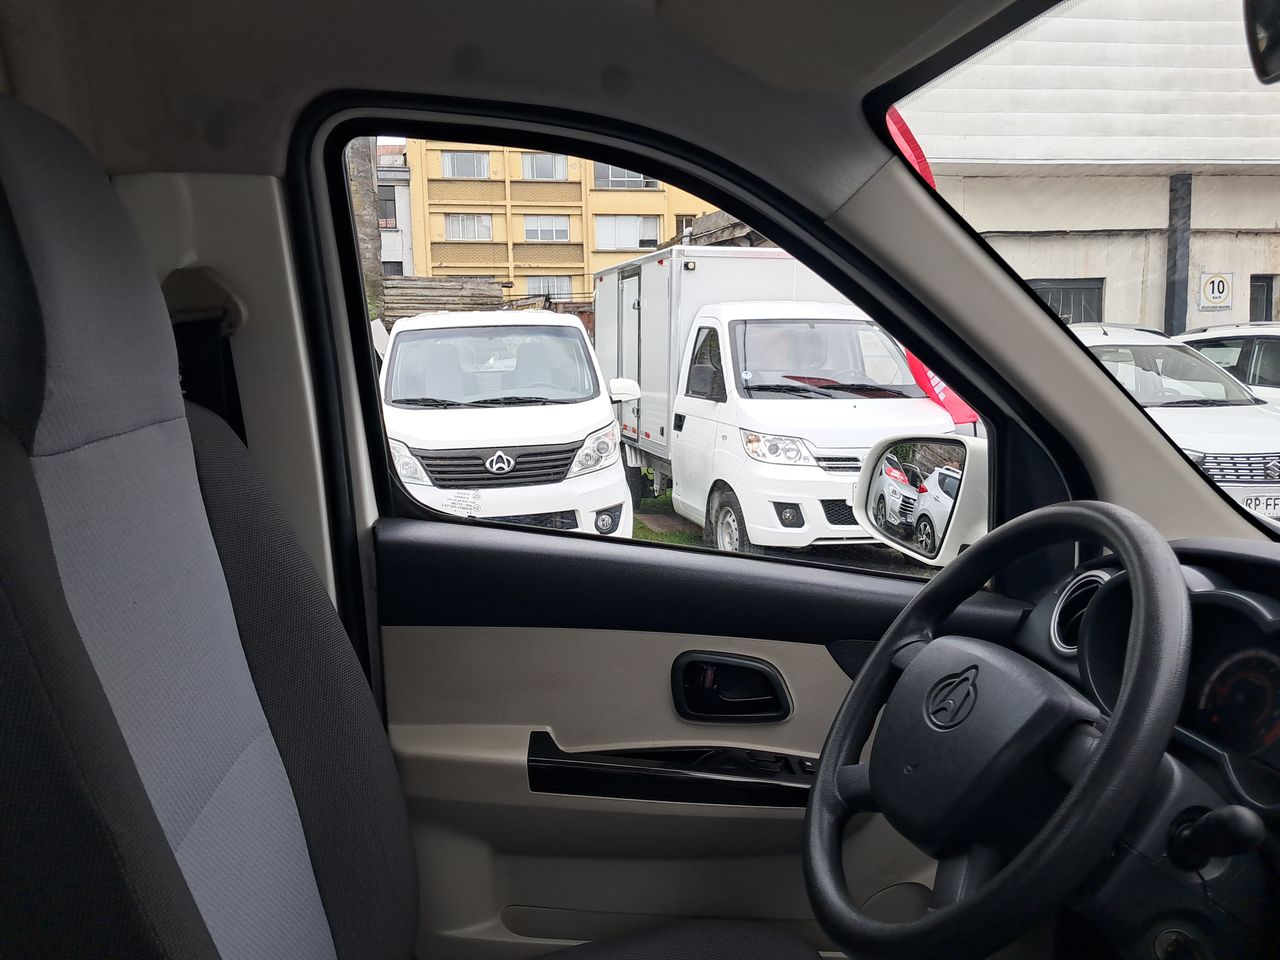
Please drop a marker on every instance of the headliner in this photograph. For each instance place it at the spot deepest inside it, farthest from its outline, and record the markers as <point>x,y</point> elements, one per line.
<point>193,86</point>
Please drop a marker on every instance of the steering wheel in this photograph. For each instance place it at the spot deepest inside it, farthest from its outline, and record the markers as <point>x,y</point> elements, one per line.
<point>988,762</point>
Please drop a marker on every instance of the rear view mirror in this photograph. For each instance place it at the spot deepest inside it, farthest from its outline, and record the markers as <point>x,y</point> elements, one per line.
<point>924,496</point>
<point>623,390</point>
<point>1262,36</point>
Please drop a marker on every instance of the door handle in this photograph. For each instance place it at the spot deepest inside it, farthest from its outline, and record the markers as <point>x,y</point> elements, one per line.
<point>709,687</point>
<point>677,422</point>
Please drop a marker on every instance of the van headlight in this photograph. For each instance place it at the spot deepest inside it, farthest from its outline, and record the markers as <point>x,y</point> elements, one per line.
<point>598,451</point>
<point>770,449</point>
<point>407,465</point>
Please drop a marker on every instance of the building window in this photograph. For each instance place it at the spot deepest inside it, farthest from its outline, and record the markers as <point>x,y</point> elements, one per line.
<point>465,164</point>
<point>392,268</point>
<point>543,166</point>
<point>684,221</point>
<point>387,208</point>
<point>609,177</point>
<point>545,227</point>
<point>550,287</point>
<point>468,226</point>
<point>1075,301</point>
<point>1261,290</point>
<point>626,232</point>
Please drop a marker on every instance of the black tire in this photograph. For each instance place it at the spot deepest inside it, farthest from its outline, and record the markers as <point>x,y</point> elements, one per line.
<point>725,506</point>
<point>639,484</point>
<point>880,515</point>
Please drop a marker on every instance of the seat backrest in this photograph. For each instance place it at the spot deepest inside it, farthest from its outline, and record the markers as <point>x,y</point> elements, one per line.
<point>193,764</point>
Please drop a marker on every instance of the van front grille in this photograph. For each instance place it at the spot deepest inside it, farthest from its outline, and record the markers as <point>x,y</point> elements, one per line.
<point>840,464</point>
<point>839,513</point>
<point>453,469</point>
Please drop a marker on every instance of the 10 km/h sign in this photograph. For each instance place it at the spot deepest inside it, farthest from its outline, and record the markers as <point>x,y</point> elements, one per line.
<point>1215,291</point>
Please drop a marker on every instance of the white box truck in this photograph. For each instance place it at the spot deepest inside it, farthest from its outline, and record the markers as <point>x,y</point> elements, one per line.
<point>761,390</point>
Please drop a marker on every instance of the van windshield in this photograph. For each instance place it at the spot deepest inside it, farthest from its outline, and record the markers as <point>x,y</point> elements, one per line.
<point>1169,375</point>
<point>818,359</point>
<point>489,366</point>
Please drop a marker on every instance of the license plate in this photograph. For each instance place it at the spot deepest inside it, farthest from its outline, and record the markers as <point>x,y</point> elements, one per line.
<point>1268,504</point>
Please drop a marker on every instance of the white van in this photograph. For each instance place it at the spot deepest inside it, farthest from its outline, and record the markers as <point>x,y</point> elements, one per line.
<point>762,388</point>
<point>504,415</point>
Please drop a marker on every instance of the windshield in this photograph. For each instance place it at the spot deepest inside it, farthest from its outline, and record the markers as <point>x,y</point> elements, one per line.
<point>1122,158</point>
<point>818,359</point>
<point>1167,375</point>
<point>500,365</point>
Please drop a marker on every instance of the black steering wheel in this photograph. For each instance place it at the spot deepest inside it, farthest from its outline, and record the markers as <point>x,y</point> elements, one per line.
<point>990,763</point>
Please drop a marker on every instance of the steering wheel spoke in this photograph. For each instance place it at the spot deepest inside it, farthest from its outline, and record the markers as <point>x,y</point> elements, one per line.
<point>853,784</point>
<point>1073,751</point>
<point>960,876</point>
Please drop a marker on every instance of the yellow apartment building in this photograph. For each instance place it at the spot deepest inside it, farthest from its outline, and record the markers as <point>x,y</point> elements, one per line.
<point>545,222</point>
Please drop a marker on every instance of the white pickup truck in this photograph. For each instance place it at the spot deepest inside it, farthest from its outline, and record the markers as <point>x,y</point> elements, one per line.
<point>504,415</point>
<point>761,390</point>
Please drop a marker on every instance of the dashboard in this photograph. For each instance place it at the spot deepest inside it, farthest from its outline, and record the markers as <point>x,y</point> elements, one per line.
<point>1229,723</point>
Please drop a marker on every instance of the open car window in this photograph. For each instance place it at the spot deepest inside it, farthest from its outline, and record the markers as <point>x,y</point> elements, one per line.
<point>570,345</point>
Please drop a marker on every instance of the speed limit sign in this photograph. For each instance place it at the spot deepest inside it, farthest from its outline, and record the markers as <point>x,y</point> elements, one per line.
<point>1215,291</point>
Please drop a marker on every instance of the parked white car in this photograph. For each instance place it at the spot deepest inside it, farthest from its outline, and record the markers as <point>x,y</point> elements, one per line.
<point>1232,435</point>
<point>1250,352</point>
<point>896,489</point>
<point>504,415</point>
<point>937,498</point>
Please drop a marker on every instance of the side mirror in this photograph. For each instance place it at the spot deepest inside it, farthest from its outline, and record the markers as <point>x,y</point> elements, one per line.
<point>623,390</point>
<point>924,496</point>
<point>702,383</point>
<point>1262,37</point>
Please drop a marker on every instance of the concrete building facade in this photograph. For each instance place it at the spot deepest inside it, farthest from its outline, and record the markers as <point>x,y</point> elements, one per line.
<point>544,223</point>
<point>1121,156</point>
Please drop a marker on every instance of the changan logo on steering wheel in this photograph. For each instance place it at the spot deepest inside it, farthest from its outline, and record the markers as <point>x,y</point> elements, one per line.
<point>951,699</point>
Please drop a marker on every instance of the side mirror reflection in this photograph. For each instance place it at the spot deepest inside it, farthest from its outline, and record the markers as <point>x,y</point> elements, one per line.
<point>925,496</point>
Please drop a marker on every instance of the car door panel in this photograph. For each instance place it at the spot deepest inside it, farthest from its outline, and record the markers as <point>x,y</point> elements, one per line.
<point>458,572</point>
<point>489,635</point>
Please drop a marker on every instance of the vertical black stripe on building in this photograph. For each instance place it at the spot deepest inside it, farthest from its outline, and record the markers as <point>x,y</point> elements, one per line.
<point>1178,254</point>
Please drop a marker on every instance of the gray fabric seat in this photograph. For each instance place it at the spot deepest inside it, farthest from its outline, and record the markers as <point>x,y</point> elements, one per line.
<point>193,765</point>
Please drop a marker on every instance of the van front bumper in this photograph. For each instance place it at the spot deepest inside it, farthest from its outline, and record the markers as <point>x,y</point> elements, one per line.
<point>577,504</point>
<point>823,498</point>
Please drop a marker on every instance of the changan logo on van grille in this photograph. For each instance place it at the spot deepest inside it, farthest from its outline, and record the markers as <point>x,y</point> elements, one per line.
<point>499,463</point>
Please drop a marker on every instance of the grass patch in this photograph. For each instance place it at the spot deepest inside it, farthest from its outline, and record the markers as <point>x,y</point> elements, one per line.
<point>640,532</point>
<point>662,505</point>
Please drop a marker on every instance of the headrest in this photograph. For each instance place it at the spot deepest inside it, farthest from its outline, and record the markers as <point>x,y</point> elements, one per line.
<point>86,351</point>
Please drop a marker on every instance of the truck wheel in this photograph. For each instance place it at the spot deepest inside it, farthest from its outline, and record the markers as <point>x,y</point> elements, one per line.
<point>728,527</point>
<point>639,485</point>
<point>926,540</point>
